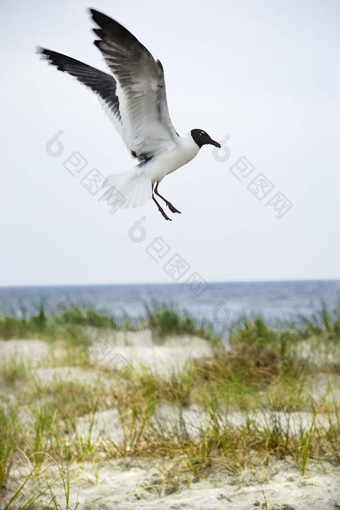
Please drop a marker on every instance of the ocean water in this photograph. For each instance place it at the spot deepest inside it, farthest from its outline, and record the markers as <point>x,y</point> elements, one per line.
<point>220,303</point>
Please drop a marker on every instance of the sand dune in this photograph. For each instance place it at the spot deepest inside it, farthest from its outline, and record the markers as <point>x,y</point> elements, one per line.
<point>137,483</point>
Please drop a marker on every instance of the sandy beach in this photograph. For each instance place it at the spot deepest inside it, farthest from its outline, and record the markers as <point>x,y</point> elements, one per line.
<point>136,477</point>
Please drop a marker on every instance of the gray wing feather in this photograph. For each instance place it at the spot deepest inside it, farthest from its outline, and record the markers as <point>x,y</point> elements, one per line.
<point>140,88</point>
<point>103,84</point>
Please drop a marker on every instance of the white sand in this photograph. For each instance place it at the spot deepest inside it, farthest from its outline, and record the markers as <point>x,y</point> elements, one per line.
<point>47,375</point>
<point>30,350</point>
<point>116,350</point>
<point>134,484</point>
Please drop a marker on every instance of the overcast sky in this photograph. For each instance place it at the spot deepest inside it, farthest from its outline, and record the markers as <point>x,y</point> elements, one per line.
<point>264,74</point>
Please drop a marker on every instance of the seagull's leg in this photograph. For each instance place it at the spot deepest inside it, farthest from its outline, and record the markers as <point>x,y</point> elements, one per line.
<point>160,209</point>
<point>171,207</point>
<point>169,204</point>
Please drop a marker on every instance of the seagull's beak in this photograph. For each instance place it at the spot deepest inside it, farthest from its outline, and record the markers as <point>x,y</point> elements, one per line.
<point>215,143</point>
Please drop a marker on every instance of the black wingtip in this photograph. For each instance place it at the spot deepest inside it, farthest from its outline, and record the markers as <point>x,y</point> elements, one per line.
<point>99,32</point>
<point>43,52</point>
<point>91,11</point>
<point>52,57</point>
<point>101,19</point>
<point>108,27</point>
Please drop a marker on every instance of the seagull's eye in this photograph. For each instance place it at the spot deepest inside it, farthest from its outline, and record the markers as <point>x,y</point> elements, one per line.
<point>202,133</point>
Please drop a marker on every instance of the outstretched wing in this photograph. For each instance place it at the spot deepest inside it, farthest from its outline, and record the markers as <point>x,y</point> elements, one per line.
<point>140,88</point>
<point>103,84</point>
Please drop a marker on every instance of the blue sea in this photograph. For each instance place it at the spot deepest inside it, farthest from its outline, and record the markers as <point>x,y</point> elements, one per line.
<point>219,303</point>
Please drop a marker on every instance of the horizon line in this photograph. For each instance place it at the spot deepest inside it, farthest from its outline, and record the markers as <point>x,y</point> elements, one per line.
<point>213,282</point>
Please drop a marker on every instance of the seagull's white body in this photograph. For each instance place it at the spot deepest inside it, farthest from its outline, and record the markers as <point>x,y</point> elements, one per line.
<point>172,159</point>
<point>135,184</point>
<point>134,97</point>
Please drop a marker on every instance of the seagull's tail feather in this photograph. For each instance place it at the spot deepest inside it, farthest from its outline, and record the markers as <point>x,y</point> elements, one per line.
<point>133,188</point>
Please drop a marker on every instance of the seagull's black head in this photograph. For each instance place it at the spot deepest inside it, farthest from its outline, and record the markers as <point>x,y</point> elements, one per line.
<point>202,138</point>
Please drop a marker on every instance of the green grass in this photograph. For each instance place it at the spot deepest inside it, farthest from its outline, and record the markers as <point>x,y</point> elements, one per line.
<point>87,317</point>
<point>323,323</point>
<point>164,321</point>
<point>262,378</point>
<point>14,370</point>
<point>68,323</point>
<point>9,430</point>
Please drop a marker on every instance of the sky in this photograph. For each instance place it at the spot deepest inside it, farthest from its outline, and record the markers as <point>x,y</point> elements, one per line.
<point>262,77</point>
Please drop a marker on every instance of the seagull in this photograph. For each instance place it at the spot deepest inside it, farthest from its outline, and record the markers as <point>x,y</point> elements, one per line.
<point>134,98</point>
